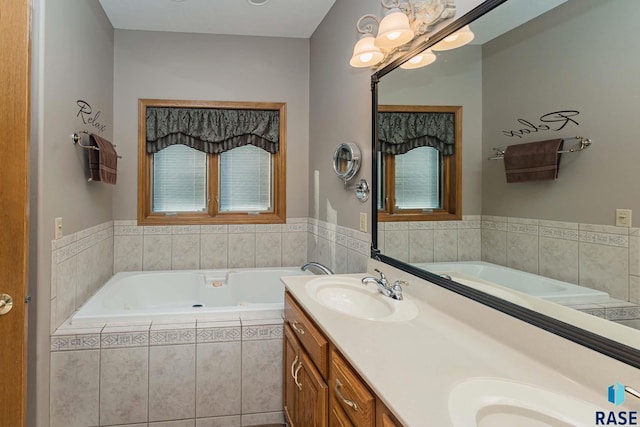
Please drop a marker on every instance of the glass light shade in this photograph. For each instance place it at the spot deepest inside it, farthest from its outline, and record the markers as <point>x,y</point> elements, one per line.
<point>420,60</point>
<point>394,30</point>
<point>365,53</point>
<point>461,37</point>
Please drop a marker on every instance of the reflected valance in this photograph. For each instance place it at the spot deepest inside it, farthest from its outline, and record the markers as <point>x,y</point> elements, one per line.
<point>212,130</point>
<point>399,132</point>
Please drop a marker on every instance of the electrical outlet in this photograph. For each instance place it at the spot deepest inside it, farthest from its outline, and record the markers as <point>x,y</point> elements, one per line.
<point>623,217</point>
<point>58,228</point>
<point>363,222</point>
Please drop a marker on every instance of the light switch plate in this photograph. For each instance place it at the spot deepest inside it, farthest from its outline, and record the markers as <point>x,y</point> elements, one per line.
<point>623,217</point>
<point>58,228</point>
<point>363,222</point>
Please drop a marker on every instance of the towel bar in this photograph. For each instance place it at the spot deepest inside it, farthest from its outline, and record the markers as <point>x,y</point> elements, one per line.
<point>582,145</point>
<point>77,140</point>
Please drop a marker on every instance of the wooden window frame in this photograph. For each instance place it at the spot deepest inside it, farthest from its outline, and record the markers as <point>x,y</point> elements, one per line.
<point>145,161</point>
<point>451,175</point>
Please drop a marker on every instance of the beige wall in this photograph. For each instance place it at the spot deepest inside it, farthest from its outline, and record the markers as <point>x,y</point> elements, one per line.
<point>210,67</point>
<point>454,79</point>
<point>73,59</point>
<point>340,110</point>
<point>557,68</point>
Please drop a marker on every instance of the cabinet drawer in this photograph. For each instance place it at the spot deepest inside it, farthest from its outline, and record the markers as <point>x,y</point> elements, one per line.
<point>313,341</point>
<point>347,390</point>
<point>337,417</point>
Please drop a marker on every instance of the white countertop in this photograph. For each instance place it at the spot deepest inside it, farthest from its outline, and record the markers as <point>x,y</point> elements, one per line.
<point>413,365</point>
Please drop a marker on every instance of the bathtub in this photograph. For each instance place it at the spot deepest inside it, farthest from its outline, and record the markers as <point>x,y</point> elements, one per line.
<point>187,295</point>
<point>538,286</point>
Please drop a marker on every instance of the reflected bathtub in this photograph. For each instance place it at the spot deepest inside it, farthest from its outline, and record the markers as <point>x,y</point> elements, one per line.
<point>538,286</point>
<point>187,295</point>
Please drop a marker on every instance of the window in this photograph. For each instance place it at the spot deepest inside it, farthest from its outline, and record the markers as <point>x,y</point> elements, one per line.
<point>211,162</point>
<point>419,163</point>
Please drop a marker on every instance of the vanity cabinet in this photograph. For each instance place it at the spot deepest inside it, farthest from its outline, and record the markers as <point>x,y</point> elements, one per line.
<point>320,387</point>
<point>305,369</point>
<point>350,393</point>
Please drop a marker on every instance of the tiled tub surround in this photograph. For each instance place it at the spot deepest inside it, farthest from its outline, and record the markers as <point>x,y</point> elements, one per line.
<point>83,261</point>
<point>197,374</point>
<point>601,257</point>
<point>80,264</point>
<point>432,241</point>
<point>117,374</point>
<point>138,248</point>
<point>342,249</point>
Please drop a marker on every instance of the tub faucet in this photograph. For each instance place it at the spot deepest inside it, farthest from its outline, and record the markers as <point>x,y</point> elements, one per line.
<point>317,265</point>
<point>392,291</point>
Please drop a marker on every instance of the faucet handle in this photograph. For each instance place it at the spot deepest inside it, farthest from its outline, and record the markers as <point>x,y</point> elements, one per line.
<point>398,284</point>
<point>383,278</point>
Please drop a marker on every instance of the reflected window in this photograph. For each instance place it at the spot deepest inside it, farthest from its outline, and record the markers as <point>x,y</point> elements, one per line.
<point>419,163</point>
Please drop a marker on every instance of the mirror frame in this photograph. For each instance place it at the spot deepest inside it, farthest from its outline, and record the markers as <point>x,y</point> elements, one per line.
<point>591,340</point>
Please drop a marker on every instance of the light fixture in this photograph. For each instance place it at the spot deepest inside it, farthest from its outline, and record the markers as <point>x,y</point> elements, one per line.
<point>420,60</point>
<point>394,30</point>
<point>403,23</point>
<point>365,52</point>
<point>257,2</point>
<point>460,38</point>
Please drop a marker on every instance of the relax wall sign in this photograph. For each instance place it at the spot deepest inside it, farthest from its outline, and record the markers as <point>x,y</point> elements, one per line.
<point>553,121</point>
<point>88,117</point>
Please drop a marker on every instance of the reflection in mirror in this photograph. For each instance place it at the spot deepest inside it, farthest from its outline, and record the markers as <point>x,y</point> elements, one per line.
<point>419,144</point>
<point>537,71</point>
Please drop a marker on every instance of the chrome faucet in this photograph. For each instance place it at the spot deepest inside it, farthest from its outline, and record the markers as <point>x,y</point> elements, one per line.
<point>392,291</point>
<point>317,265</point>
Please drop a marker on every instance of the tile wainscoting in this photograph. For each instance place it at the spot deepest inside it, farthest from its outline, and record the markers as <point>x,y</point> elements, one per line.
<point>83,261</point>
<point>199,374</point>
<point>139,248</point>
<point>80,264</point>
<point>601,257</point>
<point>216,373</point>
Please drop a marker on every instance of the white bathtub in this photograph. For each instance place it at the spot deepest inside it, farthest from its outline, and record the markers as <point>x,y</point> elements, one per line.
<point>185,294</point>
<point>528,283</point>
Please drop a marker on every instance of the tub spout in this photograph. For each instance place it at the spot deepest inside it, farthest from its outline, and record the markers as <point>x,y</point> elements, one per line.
<point>317,265</point>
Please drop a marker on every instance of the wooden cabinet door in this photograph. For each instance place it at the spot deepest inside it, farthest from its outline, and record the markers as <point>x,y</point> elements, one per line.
<point>337,417</point>
<point>291,362</point>
<point>384,417</point>
<point>314,395</point>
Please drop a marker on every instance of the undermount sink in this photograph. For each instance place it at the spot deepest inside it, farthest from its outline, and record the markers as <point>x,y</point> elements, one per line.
<point>350,296</point>
<point>495,402</point>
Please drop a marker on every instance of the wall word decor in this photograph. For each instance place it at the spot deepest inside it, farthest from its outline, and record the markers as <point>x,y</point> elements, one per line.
<point>88,117</point>
<point>557,121</point>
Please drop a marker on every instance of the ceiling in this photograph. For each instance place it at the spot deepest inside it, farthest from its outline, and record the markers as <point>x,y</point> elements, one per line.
<point>275,18</point>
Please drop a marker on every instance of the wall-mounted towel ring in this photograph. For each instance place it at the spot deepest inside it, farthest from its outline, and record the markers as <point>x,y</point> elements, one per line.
<point>77,140</point>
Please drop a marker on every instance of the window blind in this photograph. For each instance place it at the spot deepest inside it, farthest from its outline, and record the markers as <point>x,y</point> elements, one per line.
<point>417,179</point>
<point>179,180</point>
<point>245,180</point>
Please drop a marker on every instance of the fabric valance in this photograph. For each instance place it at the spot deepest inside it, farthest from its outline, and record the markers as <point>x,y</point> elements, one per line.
<point>399,132</point>
<point>212,130</point>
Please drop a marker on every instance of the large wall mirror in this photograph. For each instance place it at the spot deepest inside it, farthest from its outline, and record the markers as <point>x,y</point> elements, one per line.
<point>547,251</point>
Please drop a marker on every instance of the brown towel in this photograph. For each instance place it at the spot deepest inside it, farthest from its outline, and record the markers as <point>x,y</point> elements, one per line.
<point>103,163</point>
<point>533,161</point>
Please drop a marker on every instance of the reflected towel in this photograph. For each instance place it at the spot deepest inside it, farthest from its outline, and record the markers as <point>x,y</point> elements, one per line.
<point>103,163</point>
<point>533,161</point>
